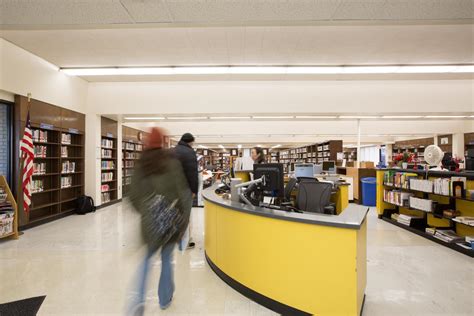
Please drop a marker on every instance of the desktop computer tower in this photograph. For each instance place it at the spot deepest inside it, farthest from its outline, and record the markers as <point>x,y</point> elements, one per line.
<point>470,160</point>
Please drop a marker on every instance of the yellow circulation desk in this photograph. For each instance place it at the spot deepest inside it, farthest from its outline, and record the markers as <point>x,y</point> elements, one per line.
<point>290,262</point>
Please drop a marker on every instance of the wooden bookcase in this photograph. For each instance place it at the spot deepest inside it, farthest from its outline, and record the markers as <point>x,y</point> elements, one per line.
<point>132,148</point>
<point>11,199</point>
<point>468,141</point>
<point>59,160</point>
<point>108,165</point>
<point>414,146</point>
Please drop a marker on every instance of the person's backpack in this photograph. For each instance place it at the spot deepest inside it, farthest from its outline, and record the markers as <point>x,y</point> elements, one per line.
<point>85,204</point>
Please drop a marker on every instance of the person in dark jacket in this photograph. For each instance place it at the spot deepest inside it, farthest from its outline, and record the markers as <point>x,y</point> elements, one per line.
<point>158,173</point>
<point>187,156</point>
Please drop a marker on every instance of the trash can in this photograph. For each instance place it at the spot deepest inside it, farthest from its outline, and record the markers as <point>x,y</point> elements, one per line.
<point>369,193</point>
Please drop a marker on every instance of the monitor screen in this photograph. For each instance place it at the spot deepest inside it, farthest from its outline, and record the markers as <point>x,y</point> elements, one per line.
<point>329,166</point>
<point>304,170</point>
<point>273,172</point>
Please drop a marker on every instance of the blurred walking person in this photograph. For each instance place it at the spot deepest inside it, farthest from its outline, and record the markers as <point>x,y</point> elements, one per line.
<point>186,154</point>
<point>160,193</point>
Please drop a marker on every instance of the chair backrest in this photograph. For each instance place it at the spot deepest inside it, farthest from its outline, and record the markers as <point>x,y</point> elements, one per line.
<point>313,196</point>
<point>307,179</point>
<point>289,187</point>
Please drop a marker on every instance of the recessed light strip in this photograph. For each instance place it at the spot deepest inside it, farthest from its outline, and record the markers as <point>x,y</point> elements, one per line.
<point>268,70</point>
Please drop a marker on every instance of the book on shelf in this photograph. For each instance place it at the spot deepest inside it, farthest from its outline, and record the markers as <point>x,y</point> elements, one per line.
<point>66,139</point>
<point>40,151</point>
<point>442,186</point>
<point>407,219</point>
<point>36,186</point>
<point>421,204</point>
<point>107,176</point>
<point>64,152</point>
<point>66,182</point>
<point>105,197</point>
<point>397,197</point>
<point>448,236</point>
<point>106,153</point>
<point>430,230</point>
<point>107,143</point>
<point>467,220</point>
<point>68,167</point>
<point>104,188</point>
<point>421,185</point>
<point>107,165</point>
<point>39,136</point>
<point>39,168</point>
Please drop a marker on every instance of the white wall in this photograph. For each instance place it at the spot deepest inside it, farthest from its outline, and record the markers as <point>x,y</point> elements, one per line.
<point>281,96</point>
<point>22,72</point>
<point>7,96</point>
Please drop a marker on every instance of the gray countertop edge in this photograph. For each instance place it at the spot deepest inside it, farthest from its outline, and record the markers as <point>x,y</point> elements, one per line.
<point>352,217</point>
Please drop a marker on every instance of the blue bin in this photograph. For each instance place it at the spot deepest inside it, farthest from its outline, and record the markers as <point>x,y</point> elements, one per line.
<point>369,193</point>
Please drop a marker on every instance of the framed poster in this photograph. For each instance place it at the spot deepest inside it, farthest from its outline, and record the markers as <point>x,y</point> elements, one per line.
<point>204,152</point>
<point>234,152</point>
<point>444,141</point>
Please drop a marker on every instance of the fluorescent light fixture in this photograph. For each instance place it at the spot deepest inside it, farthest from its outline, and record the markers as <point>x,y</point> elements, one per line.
<point>315,117</point>
<point>445,116</point>
<point>229,117</point>
<point>220,146</point>
<point>370,69</point>
<point>262,70</point>
<point>259,145</point>
<point>239,146</point>
<point>186,117</point>
<point>276,146</point>
<point>357,117</point>
<point>314,70</point>
<point>272,117</point>
<point>257,70</point>
<point>426,69</point>
<point>465,68</point>
<point>150,118</point>
<point>202,146</point>
<point>401,116</point>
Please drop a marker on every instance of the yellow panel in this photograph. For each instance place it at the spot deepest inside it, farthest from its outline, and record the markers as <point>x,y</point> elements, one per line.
<point>244,175</point>
<point>381,205</point>
<point>314,268</point>
<point>341,198</point>
<point>463,230</point>
<point>438,222</point>
<point>210,229</point>
<point>361,265</point>
<point>411,212</point>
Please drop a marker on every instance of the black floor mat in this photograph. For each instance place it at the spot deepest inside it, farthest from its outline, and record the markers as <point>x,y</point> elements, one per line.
<point>26,307</point>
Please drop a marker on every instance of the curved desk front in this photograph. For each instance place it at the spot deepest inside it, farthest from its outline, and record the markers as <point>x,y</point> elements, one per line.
<point>292,263</point>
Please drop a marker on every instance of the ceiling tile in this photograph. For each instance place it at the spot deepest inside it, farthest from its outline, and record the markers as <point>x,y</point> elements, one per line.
<point>65,12</point>
<point>148,11</point>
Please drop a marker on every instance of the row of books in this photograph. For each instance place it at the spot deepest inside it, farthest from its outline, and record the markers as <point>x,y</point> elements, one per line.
<point>107,176</point>
<point>66,139</point>
<point>453,186</point>
<point>40,151</point>
<point>129,155</point>
<point>128,146</point>
<point>107,143</point>
<point>422,204</point>
<point>421,185</point>
<point>39,168</point>
<point>66,182</point>
<point>104,187</point>
<point>39,136</point>
<point>398,179</point>
<point>64,151</point>
<point>36,186</point>
<point>107,165</point>
<point>406,220</point>
<point>397,197</point>
<point>129,164</point>
<point>106,153</point>
<point>68,167</point>
<point>106,197</point>
<point>128,172</point>
<point>127,181</point>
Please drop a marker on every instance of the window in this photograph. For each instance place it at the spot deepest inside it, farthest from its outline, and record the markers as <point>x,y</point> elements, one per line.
<point>5,140</point>
<point>371,153</point>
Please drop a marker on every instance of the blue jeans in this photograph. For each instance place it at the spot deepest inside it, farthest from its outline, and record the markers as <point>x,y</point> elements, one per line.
<point>166,284</point>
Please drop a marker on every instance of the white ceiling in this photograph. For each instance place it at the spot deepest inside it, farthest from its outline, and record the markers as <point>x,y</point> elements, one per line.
<point>291,45</point>
<point>15,13</point>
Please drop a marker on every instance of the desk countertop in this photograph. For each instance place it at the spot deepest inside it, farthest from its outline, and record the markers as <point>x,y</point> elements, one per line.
<point>352,217</point>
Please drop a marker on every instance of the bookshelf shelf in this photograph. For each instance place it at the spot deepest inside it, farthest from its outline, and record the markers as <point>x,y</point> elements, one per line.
<point>46,191</point>
<point>439,220</point>
<point>109,166</point>
<point>131,151</point>
<point>43,206</point>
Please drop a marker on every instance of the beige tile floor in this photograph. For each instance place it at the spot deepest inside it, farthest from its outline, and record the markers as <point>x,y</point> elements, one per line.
<point>84,264</point>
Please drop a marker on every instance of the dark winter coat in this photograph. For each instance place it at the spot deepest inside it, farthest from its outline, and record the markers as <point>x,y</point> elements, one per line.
<point>187,156</point>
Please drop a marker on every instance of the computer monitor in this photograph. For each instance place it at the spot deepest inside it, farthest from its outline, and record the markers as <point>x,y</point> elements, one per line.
<point>329,166</point>
<point>304,170</point>
<point>273,172</point>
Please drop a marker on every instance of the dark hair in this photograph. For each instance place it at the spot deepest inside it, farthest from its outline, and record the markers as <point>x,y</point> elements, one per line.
<point>260,154</point>
<point>187,138</point>
<point>154,161</point>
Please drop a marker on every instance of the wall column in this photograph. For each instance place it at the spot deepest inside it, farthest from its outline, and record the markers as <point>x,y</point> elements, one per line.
<point>458,145</point>
<point>92,157</point>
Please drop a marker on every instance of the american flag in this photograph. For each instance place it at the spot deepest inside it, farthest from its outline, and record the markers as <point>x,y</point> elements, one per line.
<point>27,153</point>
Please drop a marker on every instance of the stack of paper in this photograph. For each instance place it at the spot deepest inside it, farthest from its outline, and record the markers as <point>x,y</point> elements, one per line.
<point>448,236</point>
<point>467,220</point>
<point>406,219</point>
<point>421,204</point>
<point>442,186</point>
<point>421,185</point>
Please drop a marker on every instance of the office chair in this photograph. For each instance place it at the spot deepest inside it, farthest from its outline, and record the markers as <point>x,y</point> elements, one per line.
<point>307,179</point>
<point>315,196</point>
<point>288,188</point>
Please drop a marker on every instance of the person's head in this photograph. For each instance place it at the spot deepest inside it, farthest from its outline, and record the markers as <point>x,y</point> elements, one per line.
<point>188,138</point>
<point>257,155</point>
<point>155,158</point>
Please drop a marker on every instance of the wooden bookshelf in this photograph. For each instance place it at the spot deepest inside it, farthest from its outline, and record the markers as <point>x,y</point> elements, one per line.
<point>8,225</point>
<point>413,146</point>
<point>108,165</point>
<point>59,160</point>
<point>132,147</point>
